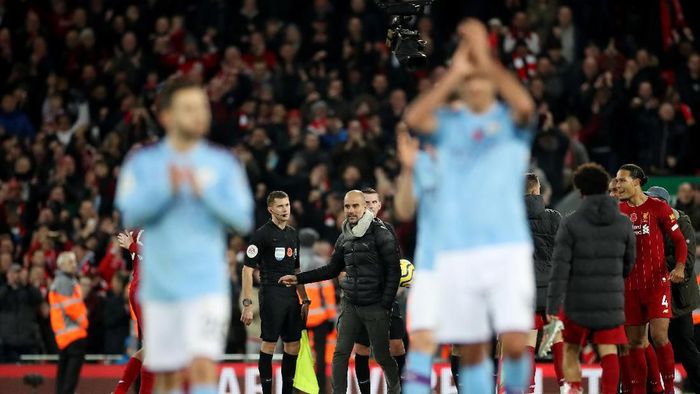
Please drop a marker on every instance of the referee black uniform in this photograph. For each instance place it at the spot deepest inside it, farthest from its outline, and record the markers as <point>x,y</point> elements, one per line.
<point>275,252</point>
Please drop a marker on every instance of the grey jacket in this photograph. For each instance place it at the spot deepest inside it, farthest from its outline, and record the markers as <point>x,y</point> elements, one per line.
<point>544,224</point>
<point>684,296</point>
<point>594,251</point>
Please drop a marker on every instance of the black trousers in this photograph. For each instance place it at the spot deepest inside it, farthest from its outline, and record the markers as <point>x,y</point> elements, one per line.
<point>375,320</point>
<point>70,361</point>
<point>681,333</point>
<point>320,342</point>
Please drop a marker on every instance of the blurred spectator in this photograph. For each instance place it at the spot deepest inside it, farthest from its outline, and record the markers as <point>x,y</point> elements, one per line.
<point>541,16</point>
<point>689,83</point>
<point>14,121</point>
<point>520,33</point>
<point>19,306</point>
<point>116,315</point>
<point>5,264</point>
<point>566,34</point>
<point>688,201</point>
<point>93,291</point>
<point>668,141</point>
<point>355,153</point>
<point>549,151</point>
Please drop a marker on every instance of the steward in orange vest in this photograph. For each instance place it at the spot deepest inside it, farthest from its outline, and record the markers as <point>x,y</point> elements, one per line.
<point>69,322</point>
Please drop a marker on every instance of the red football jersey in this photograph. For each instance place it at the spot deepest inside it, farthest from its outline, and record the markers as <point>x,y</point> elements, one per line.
<point>650,221</point>
<point>134,249</point>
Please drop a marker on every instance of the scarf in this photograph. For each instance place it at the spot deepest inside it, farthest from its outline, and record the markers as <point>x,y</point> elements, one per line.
<point>360,228</point>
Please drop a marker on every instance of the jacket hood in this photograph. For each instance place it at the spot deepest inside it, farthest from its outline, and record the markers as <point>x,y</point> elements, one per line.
<point>534,205</point>
<point>600,209</point>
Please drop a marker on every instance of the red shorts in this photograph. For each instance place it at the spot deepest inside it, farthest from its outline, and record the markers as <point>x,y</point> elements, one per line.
<point>643,305</point>
<point>576,334</point>
<point>136,309</point>
<point>540,321</point>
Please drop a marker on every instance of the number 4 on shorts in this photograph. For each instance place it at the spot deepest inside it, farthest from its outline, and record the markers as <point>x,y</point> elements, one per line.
<point>664,301</point>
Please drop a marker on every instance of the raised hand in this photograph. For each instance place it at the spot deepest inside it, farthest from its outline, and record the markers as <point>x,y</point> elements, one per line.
<point>125,239</point>
<point>474,33</point>
<point>407,149</point>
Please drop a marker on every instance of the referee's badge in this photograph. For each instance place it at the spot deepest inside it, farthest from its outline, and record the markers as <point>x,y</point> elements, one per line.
<point>279,254</point>
<point>252,251</point>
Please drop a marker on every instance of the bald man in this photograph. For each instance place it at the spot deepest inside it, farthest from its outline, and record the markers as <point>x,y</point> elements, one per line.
<point>366,250</point>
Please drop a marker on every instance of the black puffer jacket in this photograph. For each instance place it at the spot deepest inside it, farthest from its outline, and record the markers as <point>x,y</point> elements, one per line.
<point>543,225</point>
<point>593,253</point>
<point>371,263</point>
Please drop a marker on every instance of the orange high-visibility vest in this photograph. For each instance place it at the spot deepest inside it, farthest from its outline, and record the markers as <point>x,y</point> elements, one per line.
<point>68,312</point>
<point>696,313</point>
<point>322,297</point>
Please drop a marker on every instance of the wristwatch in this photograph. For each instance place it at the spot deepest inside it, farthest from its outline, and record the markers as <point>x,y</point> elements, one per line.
<point>247,302</point>
<point>306,302</point>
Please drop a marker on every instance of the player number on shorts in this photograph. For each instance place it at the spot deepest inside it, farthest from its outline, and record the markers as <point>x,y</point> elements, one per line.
<point>664,301</point>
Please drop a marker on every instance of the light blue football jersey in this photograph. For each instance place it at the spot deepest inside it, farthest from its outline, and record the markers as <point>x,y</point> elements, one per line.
<point>184,246</point>
<point>482,159</point>
<point>424,189</point>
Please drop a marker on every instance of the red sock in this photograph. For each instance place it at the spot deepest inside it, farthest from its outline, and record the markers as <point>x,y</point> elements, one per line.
<point>558,358</point>
<point>667,366</point>
<point>625,367</point>
<point>638,371</point>
<point>531,352</point>
<point>575,387</point>
<point>147,380</point>
<point>611,373</point>
<point>653,374</point>
<point>133,367</point>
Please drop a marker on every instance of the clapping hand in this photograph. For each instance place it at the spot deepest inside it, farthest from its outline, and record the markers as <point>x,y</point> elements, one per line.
<point>125,239</point>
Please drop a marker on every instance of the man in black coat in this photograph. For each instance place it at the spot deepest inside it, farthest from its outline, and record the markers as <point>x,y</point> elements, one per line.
<point>19,306</point>
<point>367,251</point>
<point>685,296</point>
<point>544,224</point>
<point>594,251</point>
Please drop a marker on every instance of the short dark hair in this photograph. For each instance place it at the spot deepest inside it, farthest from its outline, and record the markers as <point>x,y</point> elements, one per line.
<point>275,195</point>
<point>636,172</point>
<point>369,190</point>
<point>166,94</point>
<point>531,181</point>
<point>591,178</point>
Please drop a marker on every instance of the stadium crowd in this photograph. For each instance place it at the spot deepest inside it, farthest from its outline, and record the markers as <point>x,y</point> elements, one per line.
<point>309,98</point>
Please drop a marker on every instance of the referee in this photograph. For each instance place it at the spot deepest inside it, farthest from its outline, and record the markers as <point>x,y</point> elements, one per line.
<point>274,250</point>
